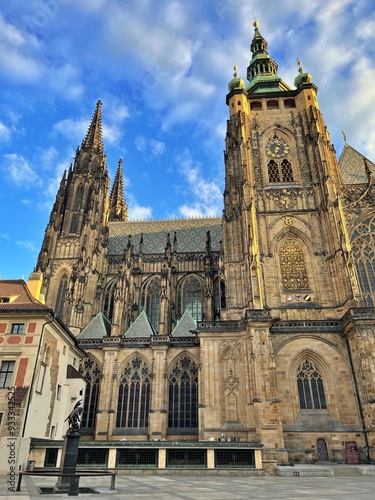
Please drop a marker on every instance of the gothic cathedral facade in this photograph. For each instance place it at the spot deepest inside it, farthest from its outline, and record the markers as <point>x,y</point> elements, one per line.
<point>257,326</point>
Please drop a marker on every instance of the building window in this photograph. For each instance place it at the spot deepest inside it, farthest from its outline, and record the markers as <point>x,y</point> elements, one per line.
<point>92,375</point>
<point>151,301</point>
<point>289,103</point>
<point>58,392</point>
<point>18,327</point>
<point>41,378</point>
<point>109,300</point>
<point>78,199</point>
<point>293,266</point>
<point>190,297</point>
<point>256,105</point>
<point>280,172</point>
<point>363,247</point>
<point>6,373</point>
<point>310,387</point>
<point>61,294</point>
<point>183,395</point>
<point>273,104</point>
<point>134,395</point>
<point>74,223</point>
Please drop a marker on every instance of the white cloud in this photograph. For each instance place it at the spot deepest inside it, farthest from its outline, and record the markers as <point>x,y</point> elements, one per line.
<point>4,236</point>
<point>29,246</point>
<point>5,132</point>
<point>137,212</point>
<point>151,147</point>
<point>19,172</point>
<point>206,194</point>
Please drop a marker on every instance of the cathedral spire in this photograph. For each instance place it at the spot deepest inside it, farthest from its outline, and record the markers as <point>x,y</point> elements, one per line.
<point>94,136</point>
<point>118,210</point>
<point>262,69</point>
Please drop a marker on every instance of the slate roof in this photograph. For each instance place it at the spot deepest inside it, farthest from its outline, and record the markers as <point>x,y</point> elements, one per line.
<point>352,166</point>
<point>141,328</point>
<point>98,328</point>
<point>183,327</point>
<point>191,235</point>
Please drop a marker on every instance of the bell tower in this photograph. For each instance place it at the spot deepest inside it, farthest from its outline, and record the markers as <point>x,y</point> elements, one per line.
<point>285,238</point>
<point>73,254</point>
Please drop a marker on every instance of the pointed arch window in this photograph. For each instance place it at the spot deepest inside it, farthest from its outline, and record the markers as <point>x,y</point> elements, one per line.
<point>310,387</point>
<point>134,395</point>
<point>293,266</point>
<point>190,296</point>
<point>183,395</point>
<point>78,198</point>
<point>61,294</point>
<point>363,247</point>
<point>151,301</point>
<point>74,223</point>
<point>92,375</point>
<point>109,300</point>
<point>280,172</point>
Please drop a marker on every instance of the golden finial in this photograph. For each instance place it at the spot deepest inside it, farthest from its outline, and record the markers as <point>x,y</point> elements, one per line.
<point>235,70</point>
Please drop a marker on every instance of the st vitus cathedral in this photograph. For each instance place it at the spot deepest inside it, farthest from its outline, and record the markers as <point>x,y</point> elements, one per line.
<point>256,327</point>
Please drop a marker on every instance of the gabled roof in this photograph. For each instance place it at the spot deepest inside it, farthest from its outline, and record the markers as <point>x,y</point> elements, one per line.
<point>141,328</point>
<point>183,327</point>
<point>353,166</point>
<point>15,296</point>
<point>98,328</point>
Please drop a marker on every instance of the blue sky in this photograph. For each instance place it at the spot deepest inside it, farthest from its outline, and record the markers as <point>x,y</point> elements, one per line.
<point>161,69</point>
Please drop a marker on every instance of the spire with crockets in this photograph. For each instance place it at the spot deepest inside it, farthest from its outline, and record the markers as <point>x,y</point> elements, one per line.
<point>118,210</point>
<point>94,137</point>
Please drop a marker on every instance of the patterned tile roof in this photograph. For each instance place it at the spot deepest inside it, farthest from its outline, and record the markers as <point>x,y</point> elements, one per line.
<point>183,327</point>
<point>352,166</point>
<point>141,328</point>
<point>72,372</point>
<point>98,328</point>
<point>191,235</point>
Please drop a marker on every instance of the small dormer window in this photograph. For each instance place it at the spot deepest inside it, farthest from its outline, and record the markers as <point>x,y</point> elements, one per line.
<point>4,300</point>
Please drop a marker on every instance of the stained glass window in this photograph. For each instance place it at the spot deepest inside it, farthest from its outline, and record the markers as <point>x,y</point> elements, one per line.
<point>363,246</point>
<point>183,395</point>
<point>134,395</point>
<point>61,294</point>
<point>293,266</point>
<point>92,375</point>
<point>151,301</point>
<point>310,387</point>
<point>190,296</point>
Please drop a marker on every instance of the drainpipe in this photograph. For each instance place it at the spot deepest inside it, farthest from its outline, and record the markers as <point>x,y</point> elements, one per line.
<point>361,415</point>
<point>34,371</point>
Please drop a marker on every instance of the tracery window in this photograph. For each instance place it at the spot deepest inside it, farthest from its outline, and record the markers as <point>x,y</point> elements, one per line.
<point>74,223</point>
<point>280,172</point>
<point>92,375</point>
<point>190,296</point>
<point>61,294</point>
<point>151,301</point>
<point>109,300</point>
<point>134,395</point>
<point>293,266</point>
<point>78,198</point>
<point>363,247</point>
<point>183,395</point>
<point>310,387</point>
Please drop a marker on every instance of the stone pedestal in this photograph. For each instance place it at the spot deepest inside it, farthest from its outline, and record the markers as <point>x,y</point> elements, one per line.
<point>69,460</point>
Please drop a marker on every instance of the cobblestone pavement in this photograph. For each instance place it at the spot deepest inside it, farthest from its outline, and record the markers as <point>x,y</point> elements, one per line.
<point>206,488</point>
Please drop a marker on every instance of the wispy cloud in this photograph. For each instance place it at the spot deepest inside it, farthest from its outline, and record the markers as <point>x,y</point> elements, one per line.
<point>151,147</point>
<point>19,172</point>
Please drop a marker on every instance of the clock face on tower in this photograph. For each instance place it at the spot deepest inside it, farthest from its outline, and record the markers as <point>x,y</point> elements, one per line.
<point>277,148</point>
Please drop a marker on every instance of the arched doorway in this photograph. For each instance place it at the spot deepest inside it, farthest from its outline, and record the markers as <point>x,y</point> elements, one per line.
<point>322,450</point>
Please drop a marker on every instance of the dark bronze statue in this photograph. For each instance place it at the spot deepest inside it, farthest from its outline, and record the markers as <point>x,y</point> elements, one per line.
<point>74,417</point>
